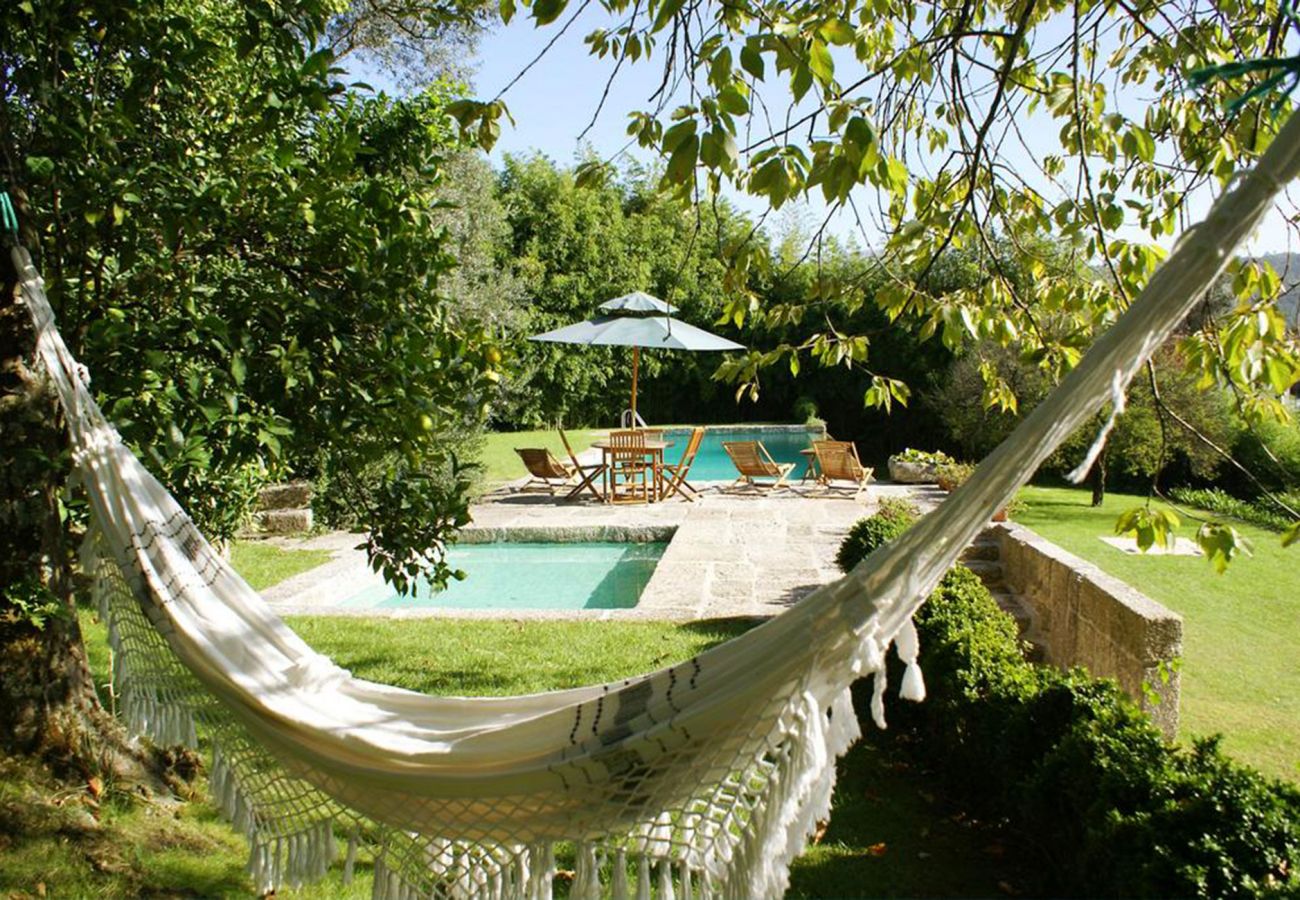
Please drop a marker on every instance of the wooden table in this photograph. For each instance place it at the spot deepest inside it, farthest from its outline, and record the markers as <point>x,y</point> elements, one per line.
<point>810,464</point>
<point>652,449</point>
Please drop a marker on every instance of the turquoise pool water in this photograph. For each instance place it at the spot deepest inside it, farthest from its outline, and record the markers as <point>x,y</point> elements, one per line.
<point>594,575</point>
<point>713,464</point>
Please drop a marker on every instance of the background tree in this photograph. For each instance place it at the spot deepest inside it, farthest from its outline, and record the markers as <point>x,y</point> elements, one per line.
<point>244,253</point>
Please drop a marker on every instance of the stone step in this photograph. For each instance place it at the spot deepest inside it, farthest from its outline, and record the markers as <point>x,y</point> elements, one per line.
<point>989,571</point>
<point>293,495</point>
<point>284,521</point>
<point>981,549</point>
<point>1026,624</point>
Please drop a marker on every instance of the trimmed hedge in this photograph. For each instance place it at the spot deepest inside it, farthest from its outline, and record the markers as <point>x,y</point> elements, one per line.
<point>1261,512</point>
<point>1073,766</point>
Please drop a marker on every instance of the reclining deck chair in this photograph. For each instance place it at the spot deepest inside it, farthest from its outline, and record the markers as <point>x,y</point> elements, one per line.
<point>543,469</point>
<point>838,461</point>
<point>752,461</point>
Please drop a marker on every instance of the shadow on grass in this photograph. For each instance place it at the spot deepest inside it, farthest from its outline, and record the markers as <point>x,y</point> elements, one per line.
<point>890,836</point>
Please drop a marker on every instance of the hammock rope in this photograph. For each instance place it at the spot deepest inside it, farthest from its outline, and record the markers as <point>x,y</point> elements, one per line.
<point>703,779</point>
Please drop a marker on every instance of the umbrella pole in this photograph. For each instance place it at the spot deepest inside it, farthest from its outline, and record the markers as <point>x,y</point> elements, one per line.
<point>636,359</point>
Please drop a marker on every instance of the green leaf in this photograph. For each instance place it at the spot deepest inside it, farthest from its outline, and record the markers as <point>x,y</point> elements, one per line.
<point>681,165</point>
<point>1221,544</point>
<point>547,11</point>
<point>667,10</point>
<point>40,166</point>
<point>1291,535</point>
<point>674,136</point>
<point>800,80</point>
<point>507,10</point>
<point>837,31</point>
<point>820,62</point>
<point>733,101</point>
<point>751,60</point>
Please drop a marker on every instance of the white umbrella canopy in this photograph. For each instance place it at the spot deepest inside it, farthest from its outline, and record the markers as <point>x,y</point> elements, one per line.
<point>637,301</point>
<point>623,327</point>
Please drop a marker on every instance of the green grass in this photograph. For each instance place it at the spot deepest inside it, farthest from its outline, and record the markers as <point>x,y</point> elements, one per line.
<point>888,837</point>
<point>501,463</point>
<point>1240,629</point>
<point>264,564</point>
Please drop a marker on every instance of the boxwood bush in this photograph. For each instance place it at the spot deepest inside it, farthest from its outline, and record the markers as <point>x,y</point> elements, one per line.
<point>1074,768</point>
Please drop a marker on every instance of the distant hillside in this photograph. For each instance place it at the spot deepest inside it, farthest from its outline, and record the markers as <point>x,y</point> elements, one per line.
<point>1287,266</point>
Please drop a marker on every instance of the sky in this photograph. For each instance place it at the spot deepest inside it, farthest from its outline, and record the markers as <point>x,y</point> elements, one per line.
<point>554,103</point>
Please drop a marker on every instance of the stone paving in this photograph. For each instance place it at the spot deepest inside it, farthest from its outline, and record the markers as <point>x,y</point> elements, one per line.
<point>731,553</point>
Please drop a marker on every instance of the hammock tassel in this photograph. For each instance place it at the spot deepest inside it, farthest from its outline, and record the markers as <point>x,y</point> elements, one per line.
<point>642,877</point>
<point>619,887</point>
<point>907,644</point>
<point>586,875</point>
<point>878,683</point>
<point>666,881</point>
<point>350,861</point>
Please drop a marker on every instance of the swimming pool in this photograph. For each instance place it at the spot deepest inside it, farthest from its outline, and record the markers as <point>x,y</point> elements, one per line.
<point>552,575</point>
<point>713,464</point>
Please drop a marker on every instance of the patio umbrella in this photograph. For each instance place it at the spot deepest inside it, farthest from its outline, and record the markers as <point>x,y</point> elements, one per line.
<point>637,320</point>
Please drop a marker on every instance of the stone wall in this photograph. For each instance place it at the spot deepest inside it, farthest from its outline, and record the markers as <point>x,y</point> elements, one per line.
<point>1084,617</point>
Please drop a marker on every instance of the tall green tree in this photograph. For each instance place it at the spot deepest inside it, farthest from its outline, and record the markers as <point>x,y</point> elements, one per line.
<point>574,247</point>
<point>245,255</point>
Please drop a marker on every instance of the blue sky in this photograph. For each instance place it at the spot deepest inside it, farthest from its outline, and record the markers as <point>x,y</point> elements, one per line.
<point>555,101</point>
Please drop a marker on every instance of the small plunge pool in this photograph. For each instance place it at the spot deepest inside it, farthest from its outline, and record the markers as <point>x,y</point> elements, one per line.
<point>509,575</point>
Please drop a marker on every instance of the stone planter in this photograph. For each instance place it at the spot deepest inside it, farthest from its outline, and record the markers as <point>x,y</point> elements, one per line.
<point>912,472</point>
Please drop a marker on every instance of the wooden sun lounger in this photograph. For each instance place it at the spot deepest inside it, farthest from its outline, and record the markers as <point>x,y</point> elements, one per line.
<point>838,461</point>
<point>544,468</point>
<point>752,461</point>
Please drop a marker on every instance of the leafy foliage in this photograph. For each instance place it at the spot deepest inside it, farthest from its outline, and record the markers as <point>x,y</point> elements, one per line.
<point>907,116</point>
<point>571,248</point>
<point>1066,758</point>
<point>894,516</point>
<point>244,252</point>
<point>1150,527</point>
<point>1224,504</point>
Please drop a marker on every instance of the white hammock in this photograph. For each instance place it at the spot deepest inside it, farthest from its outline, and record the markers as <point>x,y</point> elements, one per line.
<point>703,778</point>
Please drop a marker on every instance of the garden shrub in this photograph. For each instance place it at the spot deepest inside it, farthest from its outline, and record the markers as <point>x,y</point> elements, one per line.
<point>1258,512</point>
<point>1068,762</point>
<point>894,516</point>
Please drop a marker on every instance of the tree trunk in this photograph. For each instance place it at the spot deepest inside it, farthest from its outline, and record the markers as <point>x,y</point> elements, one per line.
<point>1097,478</point>
<point>48,705</point>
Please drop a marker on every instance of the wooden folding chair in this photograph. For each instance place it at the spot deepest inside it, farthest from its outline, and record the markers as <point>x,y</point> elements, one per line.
<point>838,461</point>
<point>589,471</point>
<point>752,461</point>
<point>628,475</point>
<point>544,468</point>
<point>675,482</point>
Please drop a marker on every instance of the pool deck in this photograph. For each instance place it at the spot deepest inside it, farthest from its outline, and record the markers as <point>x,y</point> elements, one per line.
<point>731,553</point>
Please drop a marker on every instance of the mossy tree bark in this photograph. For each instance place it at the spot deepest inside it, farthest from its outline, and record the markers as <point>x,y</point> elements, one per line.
<point>48,704</point>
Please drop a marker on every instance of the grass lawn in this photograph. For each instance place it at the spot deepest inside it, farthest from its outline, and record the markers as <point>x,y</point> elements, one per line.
<point>501,463</point>
<point>1241,630</point>
<point>264,564</point>
<point>888,836</point>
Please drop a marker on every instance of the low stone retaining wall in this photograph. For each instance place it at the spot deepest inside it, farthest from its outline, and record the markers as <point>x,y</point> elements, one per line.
<point>1084,617</point>
<point>568,534</point>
